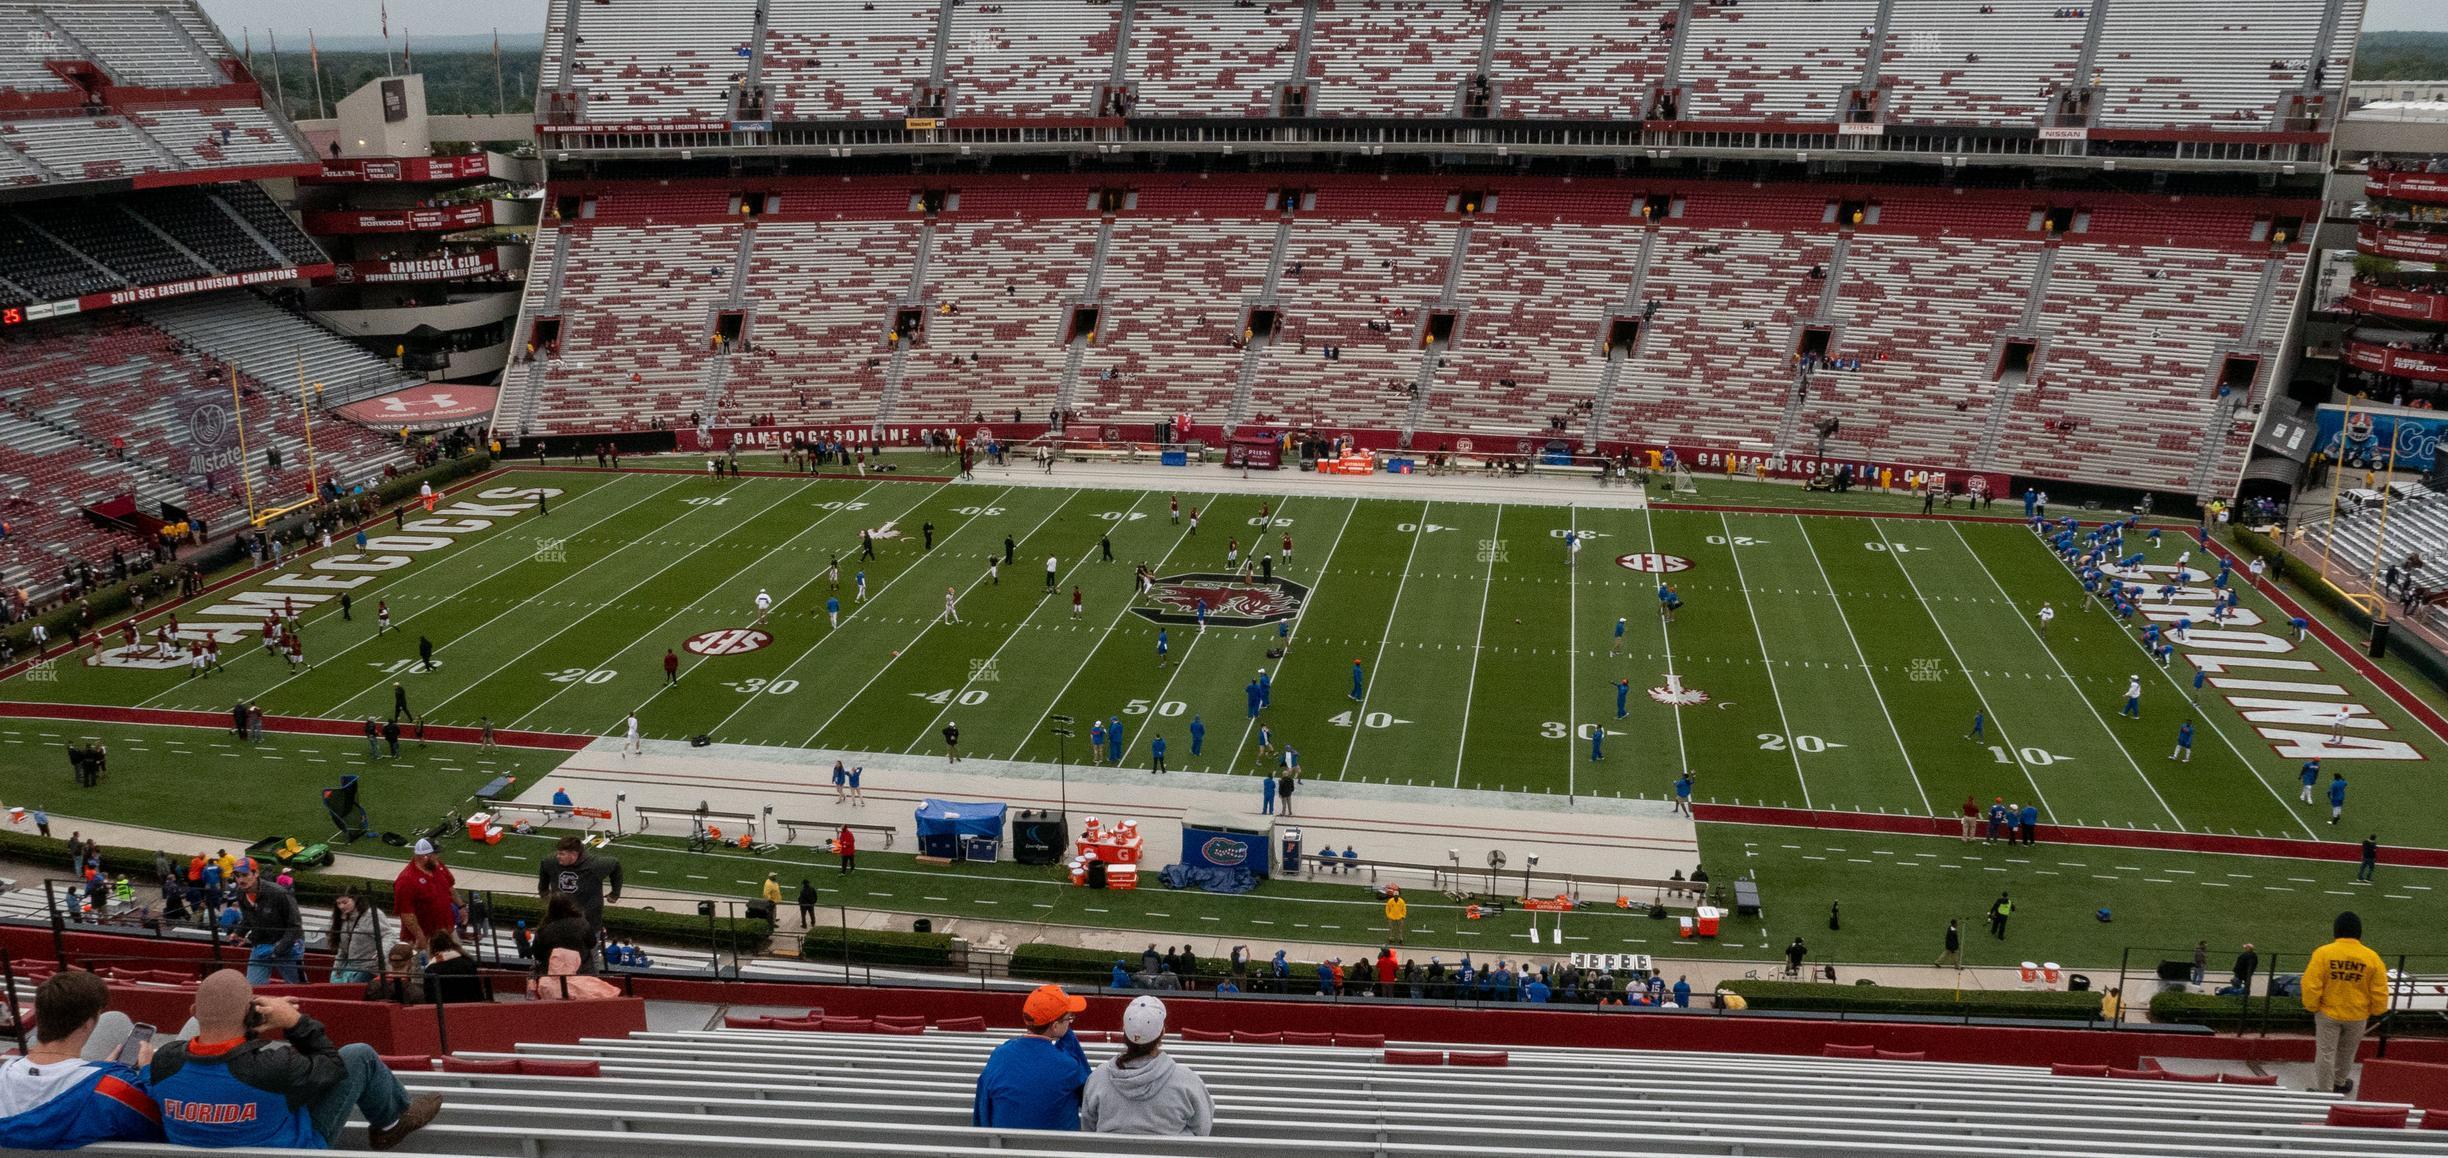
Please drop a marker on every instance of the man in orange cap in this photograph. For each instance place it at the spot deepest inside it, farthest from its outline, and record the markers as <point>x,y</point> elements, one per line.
<point>1033,1082</point>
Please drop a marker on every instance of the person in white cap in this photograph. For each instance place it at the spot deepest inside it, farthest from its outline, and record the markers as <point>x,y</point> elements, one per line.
<point>764,604</point>
<point>1142,1091</point>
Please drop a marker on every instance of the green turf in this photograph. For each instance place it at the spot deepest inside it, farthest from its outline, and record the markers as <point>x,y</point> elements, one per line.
<point>1843,657</point>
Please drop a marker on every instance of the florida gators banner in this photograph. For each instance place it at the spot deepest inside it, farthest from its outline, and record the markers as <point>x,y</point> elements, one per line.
<point>1225,848</point>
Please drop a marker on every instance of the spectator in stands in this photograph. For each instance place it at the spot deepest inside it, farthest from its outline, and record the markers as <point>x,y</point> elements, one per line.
<point>564,927</point>
<point>274,930</point>
<point>224,1088</point>
<point>1141,1091</point>
<point>357,940</point>
<point>2247,963</point>
<point>398,982</point>
<point>588,878</point>
<point>1034,1081</point>
<point>422,896</point>
<point>450,974</point>
<point>58,1099</point>
<point>2344,985</point>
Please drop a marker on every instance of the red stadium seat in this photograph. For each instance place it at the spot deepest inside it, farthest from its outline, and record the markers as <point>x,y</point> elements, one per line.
<point>2235,1079</point>
<point>2178,1076</point>
<point>1245,1037</point>
<point>1360,1040</point>
<point>2076,1070</point>
<point>1414,1057</point>
<point>845,1024</point>
<point>1204,1034</point>
<point>974,1025</point>
<point>408,1063</point>
<point>894,1019</point>
<point>2435,1120</point>
<point>560,1067</point>
<point>1833,1050</point>
<point>470,1065</point>
<point>1291,1038</point>
<point>734,1022</point>
<point>2148,1075</point>
<point>1903,1055</point>
<point>2369,1115</point>
<point>1467,1058</point>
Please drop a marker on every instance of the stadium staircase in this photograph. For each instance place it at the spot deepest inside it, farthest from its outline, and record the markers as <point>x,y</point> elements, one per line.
<point>1633,305</point>
<point>898,1085</point>
<point>1245,377</point>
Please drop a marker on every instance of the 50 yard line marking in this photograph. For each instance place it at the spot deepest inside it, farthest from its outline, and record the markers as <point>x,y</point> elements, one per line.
<point>1666,637</point>
<point>1572,651</point>
<point>1767,664</point>
<point>1384,636</point>
<point>1488,585</point>
<point>1804,530</point>
<point>1149,726</point>
<point>1249,726</point>
<point>2042,644</point>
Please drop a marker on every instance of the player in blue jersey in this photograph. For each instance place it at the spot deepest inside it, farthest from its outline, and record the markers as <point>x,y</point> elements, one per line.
<point>1617,648</point>
<point>1623,696</point>
<point>1359,678</point>
<point>1163,643</point>
<point>2311,779</point>
<point>2337,796</point>
<point>2184,744</point>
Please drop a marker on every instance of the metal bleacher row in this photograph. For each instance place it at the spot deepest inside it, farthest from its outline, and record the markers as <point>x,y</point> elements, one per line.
<point>2417,524</point>
<point>72,388</point>
<point>2213,64</point>
<point>889,1087</point>
<point>2130,323</point>
<point>139,48</point>
<point>68,248</point>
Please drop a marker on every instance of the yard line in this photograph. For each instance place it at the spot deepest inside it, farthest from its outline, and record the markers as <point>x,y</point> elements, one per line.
<point>1489,584</point>
<point>1769,665</point>
<point>1250,725</point>
<point>324,611</point>
<point>1804,529</point>
<point>1666,639</point>
<point>2017,614</point>
<point>1572,652</point>
<point>531,600</point>
<point>1041,605</point>
<point>1385,636</point>
<point>1184,665</point>
<point>787,494</point>
<point>1090,653</point>
<point>778,603</point>
<point>2283,804</point>
<point>931,624</point>
<point>1977,693</point>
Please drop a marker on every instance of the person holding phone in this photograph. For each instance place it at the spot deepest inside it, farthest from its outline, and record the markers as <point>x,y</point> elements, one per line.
<point>59,1099</point>
<point>229,1087</point>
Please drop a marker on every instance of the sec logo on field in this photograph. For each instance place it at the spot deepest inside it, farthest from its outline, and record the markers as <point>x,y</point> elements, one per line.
<point>729,641</point>
<point>1653,563</point>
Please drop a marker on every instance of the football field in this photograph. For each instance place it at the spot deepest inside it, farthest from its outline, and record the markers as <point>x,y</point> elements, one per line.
<point>1834,662</point>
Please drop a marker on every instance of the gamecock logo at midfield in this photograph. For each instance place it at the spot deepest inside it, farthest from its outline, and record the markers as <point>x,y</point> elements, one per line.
<point>1231,601</point>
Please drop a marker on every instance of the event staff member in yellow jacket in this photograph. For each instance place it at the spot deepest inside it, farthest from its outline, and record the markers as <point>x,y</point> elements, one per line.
<point>1396,910</point>
<point>2344,985</point>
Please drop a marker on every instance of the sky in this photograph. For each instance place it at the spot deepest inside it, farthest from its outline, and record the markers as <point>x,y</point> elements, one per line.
<point>470,17</point>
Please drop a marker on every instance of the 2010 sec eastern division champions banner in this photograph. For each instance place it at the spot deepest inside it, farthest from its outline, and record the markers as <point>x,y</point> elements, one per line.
<point>2362,438</point>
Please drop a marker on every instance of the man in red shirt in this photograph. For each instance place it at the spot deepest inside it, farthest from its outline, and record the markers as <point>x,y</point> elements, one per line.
<point>421,895</point>
<point>671,667</point>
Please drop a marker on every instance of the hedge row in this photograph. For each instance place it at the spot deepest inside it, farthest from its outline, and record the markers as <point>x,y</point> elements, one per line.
<point>890,947</point>
<point>1803,996</point>
<point>320,888</point>
<point>2282,1014</point>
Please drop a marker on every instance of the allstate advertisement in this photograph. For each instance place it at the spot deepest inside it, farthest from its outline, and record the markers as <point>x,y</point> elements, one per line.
<point>2361,439</point>
<point>1224,848</point>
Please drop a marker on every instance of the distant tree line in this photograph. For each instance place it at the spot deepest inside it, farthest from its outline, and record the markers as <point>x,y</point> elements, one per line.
<point>2402,56</point>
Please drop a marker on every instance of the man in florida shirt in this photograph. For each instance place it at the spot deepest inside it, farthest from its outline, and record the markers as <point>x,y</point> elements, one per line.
<point>1034,1081</point>
<point>55,1099</point>
<point>228,1088</point>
